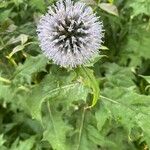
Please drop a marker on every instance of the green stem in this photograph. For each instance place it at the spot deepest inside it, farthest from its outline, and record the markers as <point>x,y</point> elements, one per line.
<point>81,128</point>
<point>52,122</point>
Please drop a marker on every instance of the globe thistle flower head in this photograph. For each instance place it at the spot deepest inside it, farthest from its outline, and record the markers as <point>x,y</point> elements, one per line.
<point>70,33</point>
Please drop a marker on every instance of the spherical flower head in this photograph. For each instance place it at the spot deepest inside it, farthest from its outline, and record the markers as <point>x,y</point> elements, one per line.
<point>70,33</point>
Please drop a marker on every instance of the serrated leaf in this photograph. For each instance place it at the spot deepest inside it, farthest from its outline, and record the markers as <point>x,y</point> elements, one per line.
<point>88,136</point>
<point>97,138</point>
<point>58,88</point>
<point>139,7</point>
<point>26,144</point>
<point>137,44</point>
<point>101,116</point>
<point>130,109</point>
<point>90,81</point>
<point>5,93</point>
<point>116,76</point>
<point>31,66</point>
<point>94,60</point>
<point>55,90</point>
<point>56,130</point>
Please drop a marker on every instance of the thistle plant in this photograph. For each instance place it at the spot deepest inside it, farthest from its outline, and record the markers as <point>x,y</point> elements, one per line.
<point>70,33</point>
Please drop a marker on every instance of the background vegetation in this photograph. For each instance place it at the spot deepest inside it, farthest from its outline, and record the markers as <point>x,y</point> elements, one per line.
<point>42,106</point>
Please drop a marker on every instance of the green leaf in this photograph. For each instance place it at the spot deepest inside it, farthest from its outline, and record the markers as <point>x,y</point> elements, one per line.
<point>56,91</point>
<point>139,7</point>
<point>4,80</point>
<point>104,47</point>
<point>137,44</point>
<point>94,60</point>
<point>2,141</point>
<point>6,93</point>
<point>16,49</point>
<point>101,115</point>
<point>5,15</point>
<point>4,4</point>
<point>118,76</point>
<point>24,38</point>
<point>18,2</point>
<point>90,81</point>
<point>135,109</point>
<point>147,78</point>
<point>56,130</point>
<point>21,38</point>
<point>56,88</point>
<point>38,4</point>
<point>98,139</point>
<point>88,136</point>
<point>32,65</point>
<point>109,8</point>
<point>26,144</point>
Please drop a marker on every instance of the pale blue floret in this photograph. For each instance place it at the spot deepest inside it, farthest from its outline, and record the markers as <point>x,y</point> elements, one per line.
<point>70,33</point>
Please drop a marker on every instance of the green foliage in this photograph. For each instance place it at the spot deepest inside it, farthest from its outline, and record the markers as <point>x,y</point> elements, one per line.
<point>46,107</point>
<point>91,82</point>
<point>140,7</point>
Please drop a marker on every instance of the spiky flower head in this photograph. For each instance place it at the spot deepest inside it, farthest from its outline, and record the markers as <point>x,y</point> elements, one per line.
<point>70,33</point>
